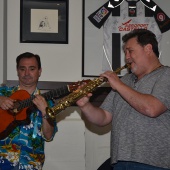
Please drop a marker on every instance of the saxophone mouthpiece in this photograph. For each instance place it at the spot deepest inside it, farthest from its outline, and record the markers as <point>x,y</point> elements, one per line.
<point>127,65</point>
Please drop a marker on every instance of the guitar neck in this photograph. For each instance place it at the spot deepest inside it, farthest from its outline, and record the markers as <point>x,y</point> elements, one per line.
<point>48,95</point>
<point>56,93</point>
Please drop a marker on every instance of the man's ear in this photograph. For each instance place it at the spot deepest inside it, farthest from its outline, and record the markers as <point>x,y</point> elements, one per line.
<point>40,70</point>
<point>148,48</point>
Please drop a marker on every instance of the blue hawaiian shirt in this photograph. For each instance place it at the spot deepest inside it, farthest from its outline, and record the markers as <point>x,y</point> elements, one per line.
<point>24,146</point>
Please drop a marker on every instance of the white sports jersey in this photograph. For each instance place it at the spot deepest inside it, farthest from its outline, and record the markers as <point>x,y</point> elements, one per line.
<point>117,21</point>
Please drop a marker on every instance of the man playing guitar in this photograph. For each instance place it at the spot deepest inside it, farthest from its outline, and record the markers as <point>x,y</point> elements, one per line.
<point>23,148</point>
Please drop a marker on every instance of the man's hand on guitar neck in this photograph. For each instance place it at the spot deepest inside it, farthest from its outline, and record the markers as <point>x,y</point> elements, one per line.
<point>6,103</point>
<point>41,103</point>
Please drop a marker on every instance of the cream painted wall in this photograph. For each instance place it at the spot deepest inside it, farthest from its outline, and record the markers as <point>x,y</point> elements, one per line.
<point>1,39</point>
<point>67,150</point>
<point>60,62</point>
<point>76,146</point>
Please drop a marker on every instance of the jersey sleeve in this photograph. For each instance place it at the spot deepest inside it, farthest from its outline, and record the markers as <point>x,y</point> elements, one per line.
<point>99,17</point>
<point>161,19</point>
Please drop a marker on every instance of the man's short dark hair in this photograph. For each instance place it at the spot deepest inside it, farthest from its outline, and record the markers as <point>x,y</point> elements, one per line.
<point>144,37</point>
<point>29,55</point>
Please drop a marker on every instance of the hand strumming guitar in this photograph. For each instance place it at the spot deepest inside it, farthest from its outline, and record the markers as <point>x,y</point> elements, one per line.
<point>41,104</point>
<point>6,103</point>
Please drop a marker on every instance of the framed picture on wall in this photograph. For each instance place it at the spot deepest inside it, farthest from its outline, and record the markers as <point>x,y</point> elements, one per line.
<point>44,21</point>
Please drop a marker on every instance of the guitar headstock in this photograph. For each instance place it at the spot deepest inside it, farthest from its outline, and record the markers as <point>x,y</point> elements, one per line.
<point>74,86</point>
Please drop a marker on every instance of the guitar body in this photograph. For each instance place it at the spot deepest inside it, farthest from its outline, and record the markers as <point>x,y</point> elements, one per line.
<point>9,120</point>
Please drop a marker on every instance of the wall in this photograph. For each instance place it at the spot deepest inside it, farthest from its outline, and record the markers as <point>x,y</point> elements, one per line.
<point>67,150</point>
<point>77,146</point>
<point>60,62</point>
<point>2,41</point>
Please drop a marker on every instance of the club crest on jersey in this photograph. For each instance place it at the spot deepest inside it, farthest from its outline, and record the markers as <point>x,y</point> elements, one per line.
<point>132,11</point>
<point>160,17</point>
<point>101,14</point>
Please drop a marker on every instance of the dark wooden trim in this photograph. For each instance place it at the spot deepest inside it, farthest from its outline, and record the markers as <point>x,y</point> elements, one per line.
<point>43,85</point>
<point>99,95</point>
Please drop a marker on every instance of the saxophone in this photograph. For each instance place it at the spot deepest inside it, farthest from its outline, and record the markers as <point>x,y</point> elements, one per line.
<point>78,94</point>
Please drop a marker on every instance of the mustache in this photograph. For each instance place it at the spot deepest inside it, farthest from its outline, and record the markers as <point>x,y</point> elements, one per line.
<point>26,77</point>
<point>129,61</point>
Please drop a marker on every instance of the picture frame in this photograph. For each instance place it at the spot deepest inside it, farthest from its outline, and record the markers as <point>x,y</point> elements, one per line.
<point>95,59</point>
<point>44,21</point>
<point>92,41</point>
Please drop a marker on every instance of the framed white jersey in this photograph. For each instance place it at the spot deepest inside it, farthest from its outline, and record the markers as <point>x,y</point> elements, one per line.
<point>118,19</point>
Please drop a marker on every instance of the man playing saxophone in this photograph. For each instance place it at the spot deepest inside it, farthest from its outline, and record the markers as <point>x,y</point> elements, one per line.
<point>137,106</point>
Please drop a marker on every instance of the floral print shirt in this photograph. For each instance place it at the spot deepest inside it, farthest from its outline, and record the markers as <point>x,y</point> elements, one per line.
<point>24,147</point>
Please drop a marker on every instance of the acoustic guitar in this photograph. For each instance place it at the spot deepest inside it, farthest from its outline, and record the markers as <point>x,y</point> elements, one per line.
<point>19,115</point>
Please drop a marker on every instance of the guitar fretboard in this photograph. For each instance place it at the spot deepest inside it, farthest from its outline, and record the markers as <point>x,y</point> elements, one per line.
<point>48,95</point>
